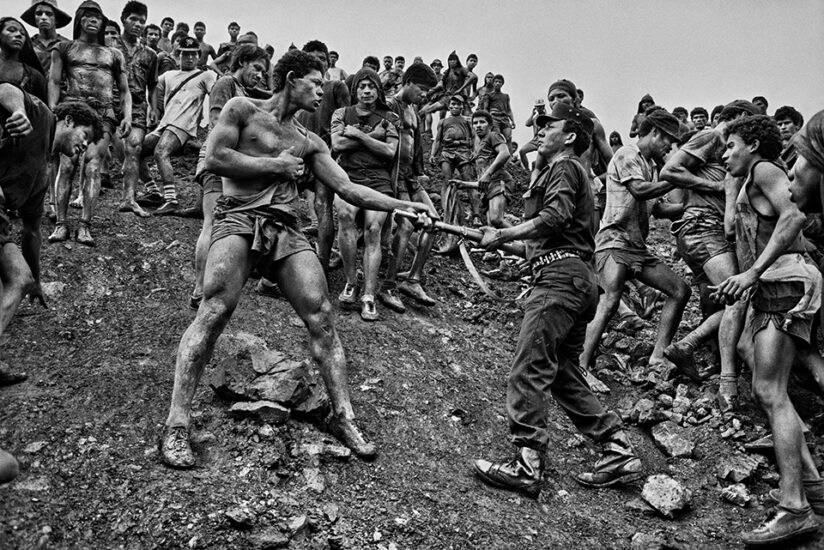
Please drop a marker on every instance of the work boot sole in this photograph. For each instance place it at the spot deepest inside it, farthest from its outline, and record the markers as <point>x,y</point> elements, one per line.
<point>532,491</point>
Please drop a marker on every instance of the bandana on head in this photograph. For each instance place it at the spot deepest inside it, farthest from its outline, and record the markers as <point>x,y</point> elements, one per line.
<point>810,141</point>
<point>566,86</point>
<point>368,74</point>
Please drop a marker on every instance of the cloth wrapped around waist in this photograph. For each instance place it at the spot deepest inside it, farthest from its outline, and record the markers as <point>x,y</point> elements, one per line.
<point>788,269</point>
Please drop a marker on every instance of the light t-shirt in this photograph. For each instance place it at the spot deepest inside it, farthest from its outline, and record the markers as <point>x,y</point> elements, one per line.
<point>183,109</point>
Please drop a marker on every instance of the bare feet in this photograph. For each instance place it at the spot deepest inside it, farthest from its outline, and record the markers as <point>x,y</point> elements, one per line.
<point>60,233</point>
<point>133,207</point>
<point>350,435</point>
<point>77,203</point>
<point>84,236</point>
<point>413,289</point>
<point>595,385</point>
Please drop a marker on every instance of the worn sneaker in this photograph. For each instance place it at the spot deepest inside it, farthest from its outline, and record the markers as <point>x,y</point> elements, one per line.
<point>390,299</point>
<point>169,208</point>
<point>175,450</point>
<point>618,464</point>
<point>522,474</point>
<point>150,199</point>
<point>348,296</point>
<point>368,310</point>
<point>783,524</point>
<point>813,490</point>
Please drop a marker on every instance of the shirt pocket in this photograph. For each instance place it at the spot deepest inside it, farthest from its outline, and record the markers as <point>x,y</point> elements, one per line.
<point>533,201</point>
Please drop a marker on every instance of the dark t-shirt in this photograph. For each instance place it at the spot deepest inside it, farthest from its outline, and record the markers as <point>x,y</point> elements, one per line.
<point>708,147</point>
<point>497,103</point>
<point>142,70</point>
<point>561,198</point>
<point>24,161</point>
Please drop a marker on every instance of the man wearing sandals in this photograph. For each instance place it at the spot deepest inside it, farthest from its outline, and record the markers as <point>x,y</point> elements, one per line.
<point>260,150</point>
<point>365,134</point>
<point>558,231</point>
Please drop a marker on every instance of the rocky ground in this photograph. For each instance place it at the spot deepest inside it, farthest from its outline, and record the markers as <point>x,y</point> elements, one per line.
<point>428,386</point>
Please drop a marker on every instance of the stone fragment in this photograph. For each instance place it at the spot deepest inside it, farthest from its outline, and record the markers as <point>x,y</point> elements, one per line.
<point>270,540</point>
<point>639,505</point>
<point>666,495</point>
<point>35,447</point>
<point>644,412</point>
<point>316,406</point>
<point>265,360</point>
<point>330,512</point>
<point>240,517</point>
<point>227,381</point>
<point>262,411</point>
<point>298,524</point>
<point>338,452</point>
<point>643,541</point>
<point>738,467</point>
<point>737,494</point>
<point>674,440</point>
<point>288,384</point>
<point>314,480</point>
<point>681,404</point>
<point>665,400</point>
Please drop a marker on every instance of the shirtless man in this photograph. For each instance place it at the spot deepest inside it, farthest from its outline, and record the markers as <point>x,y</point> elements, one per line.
<point>206,50</point>
<point>167,25</point>
<point>417,80</point>
<point>248,68</point>
<point>497,104</point>
<point>701,236</point>
<point>320,197</point>
<point>18,61</point>
<point>141,63</point>
<point>457,80</point>
<point>259,150</point>
<point>47,17</point>
<point>228,47</point>
<point>334,72</point>
<point>365,135</point>
<point>182,93</point>
<point>91,70</point>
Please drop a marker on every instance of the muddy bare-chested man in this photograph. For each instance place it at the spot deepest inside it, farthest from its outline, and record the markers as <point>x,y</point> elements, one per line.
<point>91,69</point>
<point>260,151</point>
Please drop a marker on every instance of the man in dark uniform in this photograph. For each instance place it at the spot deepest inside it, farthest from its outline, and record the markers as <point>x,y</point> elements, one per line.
<point>558,208</point>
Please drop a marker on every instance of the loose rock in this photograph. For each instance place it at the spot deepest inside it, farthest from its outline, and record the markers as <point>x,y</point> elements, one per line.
<point>666,495</point>
<point>738,467</point>
<point>642,541</point>
<point>240,517</point>
<point>262,411</point>
<point>737,494</point>
<point>673,440</point>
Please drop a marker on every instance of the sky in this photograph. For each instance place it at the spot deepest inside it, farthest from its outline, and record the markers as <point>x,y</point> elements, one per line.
<point>689,53</point>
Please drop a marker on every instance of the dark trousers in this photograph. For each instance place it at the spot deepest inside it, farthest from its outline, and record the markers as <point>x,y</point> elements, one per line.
<point>562,302</point>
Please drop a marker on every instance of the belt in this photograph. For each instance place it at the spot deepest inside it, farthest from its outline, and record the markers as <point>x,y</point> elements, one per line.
<point>553,256</point>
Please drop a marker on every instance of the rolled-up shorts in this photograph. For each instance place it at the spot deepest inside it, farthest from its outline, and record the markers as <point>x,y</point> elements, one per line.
<point>635,261</point>
<point>701,238</point>
<point>456,158</point>
<point>770,303</point>
<point>181,135</point>
<point>271,237</point>
<point>139,116</point>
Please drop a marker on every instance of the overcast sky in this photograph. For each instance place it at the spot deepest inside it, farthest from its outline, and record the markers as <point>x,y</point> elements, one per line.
<point>696,52</point>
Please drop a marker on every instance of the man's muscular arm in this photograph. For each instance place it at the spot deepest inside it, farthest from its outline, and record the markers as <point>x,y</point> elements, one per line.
<point>125,96</point>
<point>223,159</point>
<point>678,171</point>
<point>55,74</point>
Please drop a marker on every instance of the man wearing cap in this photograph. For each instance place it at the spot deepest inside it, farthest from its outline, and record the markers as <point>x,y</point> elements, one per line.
<point>701,238</point>
<point>365,135</point>
<point>761,104</point>
<point>47,18</point>
<point>621,253</point>
<point>91,71</point>
<point>141,63</point>
<point>558,233</point>
<point>182,92</point>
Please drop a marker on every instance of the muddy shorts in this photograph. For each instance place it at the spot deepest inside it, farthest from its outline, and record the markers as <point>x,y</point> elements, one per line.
<point>210,182</point>
<point>139,116</point>
<point>501,184</point>
<point>456,158</point>
<point>181,135</point>
<point>701,238</point>
<point>634,260</point>
<point>408,182</point>
<point>501,123</point>
<point>273,235</point>
<point>770,303</point>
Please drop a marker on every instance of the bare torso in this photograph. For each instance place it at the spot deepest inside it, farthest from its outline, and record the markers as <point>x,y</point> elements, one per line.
<point>91,71</point>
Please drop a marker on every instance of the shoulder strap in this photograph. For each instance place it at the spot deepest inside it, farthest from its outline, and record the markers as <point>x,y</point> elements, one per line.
<point>180,86</point>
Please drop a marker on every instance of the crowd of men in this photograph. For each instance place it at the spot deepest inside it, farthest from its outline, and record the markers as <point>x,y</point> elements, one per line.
<point>742,189</point>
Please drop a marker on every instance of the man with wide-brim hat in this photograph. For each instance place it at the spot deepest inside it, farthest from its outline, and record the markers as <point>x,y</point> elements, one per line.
<point>47,18</point>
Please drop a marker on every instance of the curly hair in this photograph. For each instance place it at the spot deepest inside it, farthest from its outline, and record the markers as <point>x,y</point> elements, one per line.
<point>317,46</point>
<point>787,112</point>
<point>761,128</point>
<point>297,61</point>
<point>582,139</point>
<point>247,53</point>
<point>81,114</point>
<point>699,111</point>
<point>420,73</point>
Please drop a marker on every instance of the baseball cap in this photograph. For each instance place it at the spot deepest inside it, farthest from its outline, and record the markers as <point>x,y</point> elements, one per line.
<point>562,111</point>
